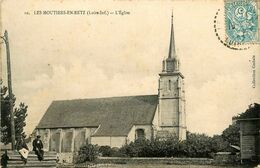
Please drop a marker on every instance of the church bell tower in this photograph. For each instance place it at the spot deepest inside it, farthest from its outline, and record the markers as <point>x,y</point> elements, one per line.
<point>171,108</point>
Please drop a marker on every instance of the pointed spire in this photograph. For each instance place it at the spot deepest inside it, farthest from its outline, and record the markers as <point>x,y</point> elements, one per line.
<point>172,52</point>
<point>171,64</point>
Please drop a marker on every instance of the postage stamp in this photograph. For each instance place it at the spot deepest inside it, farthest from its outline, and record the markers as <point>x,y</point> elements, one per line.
<point>241,21</point>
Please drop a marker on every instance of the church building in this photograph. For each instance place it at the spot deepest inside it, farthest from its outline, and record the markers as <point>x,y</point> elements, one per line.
<point>116,121</point>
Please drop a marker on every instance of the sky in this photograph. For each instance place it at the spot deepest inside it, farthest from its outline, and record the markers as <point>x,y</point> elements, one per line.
<point>60,57</point>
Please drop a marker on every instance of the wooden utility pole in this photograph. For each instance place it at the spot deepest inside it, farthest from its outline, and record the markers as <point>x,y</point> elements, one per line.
<point>9,77</point>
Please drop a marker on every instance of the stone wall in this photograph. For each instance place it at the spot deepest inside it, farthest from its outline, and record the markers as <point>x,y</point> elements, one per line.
<point>163,132</point>
<point>169,112</point>
<point>223,158</point>
<point>67,143</point>
<point>177,161</point>
<point>113,141</point>
<point>171,108</point>
<point>66,139</point>
<point>55,140</point>
<point>65,157</point>
<point>80,138</point>
<point>148,132</point>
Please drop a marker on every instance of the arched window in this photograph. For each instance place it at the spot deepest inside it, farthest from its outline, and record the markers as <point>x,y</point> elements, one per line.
<point>139,134</point>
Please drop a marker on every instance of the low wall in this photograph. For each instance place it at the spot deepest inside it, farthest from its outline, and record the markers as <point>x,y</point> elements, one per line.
<point>224,158</point>
<point>64,158</point>
<point>146,160</point>
<point>109,141</point>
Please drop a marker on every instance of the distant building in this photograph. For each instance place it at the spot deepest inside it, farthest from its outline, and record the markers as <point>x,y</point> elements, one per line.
<point>115,121</point>
<point>249,122</point>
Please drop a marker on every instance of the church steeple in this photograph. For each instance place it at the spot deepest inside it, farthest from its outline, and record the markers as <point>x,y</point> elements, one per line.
<point>171,64</point>
<point>171,107</point>
<point>172,53</point>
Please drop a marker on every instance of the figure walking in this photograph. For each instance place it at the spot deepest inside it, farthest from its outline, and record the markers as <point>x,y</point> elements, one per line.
<point>38,147</point>
<point>22,148</point>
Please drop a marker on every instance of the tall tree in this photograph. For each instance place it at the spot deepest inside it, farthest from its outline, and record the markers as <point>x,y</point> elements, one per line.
<point>231,134</point>
<point>20,114</point>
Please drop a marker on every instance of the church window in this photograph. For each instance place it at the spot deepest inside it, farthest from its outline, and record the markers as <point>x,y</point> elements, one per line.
<point>170,85</point>
<point>139,134</point>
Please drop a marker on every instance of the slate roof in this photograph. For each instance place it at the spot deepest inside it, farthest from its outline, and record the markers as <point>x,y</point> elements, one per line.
<point>115,115</point>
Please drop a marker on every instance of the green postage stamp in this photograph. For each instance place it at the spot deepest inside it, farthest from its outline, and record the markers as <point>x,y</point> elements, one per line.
<point>241,21</point>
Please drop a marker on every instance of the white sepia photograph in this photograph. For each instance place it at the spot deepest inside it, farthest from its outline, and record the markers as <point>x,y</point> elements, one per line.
<point>130,84</point>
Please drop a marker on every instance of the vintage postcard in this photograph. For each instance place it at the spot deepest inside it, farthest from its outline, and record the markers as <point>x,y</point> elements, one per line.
<point>150,82</point>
